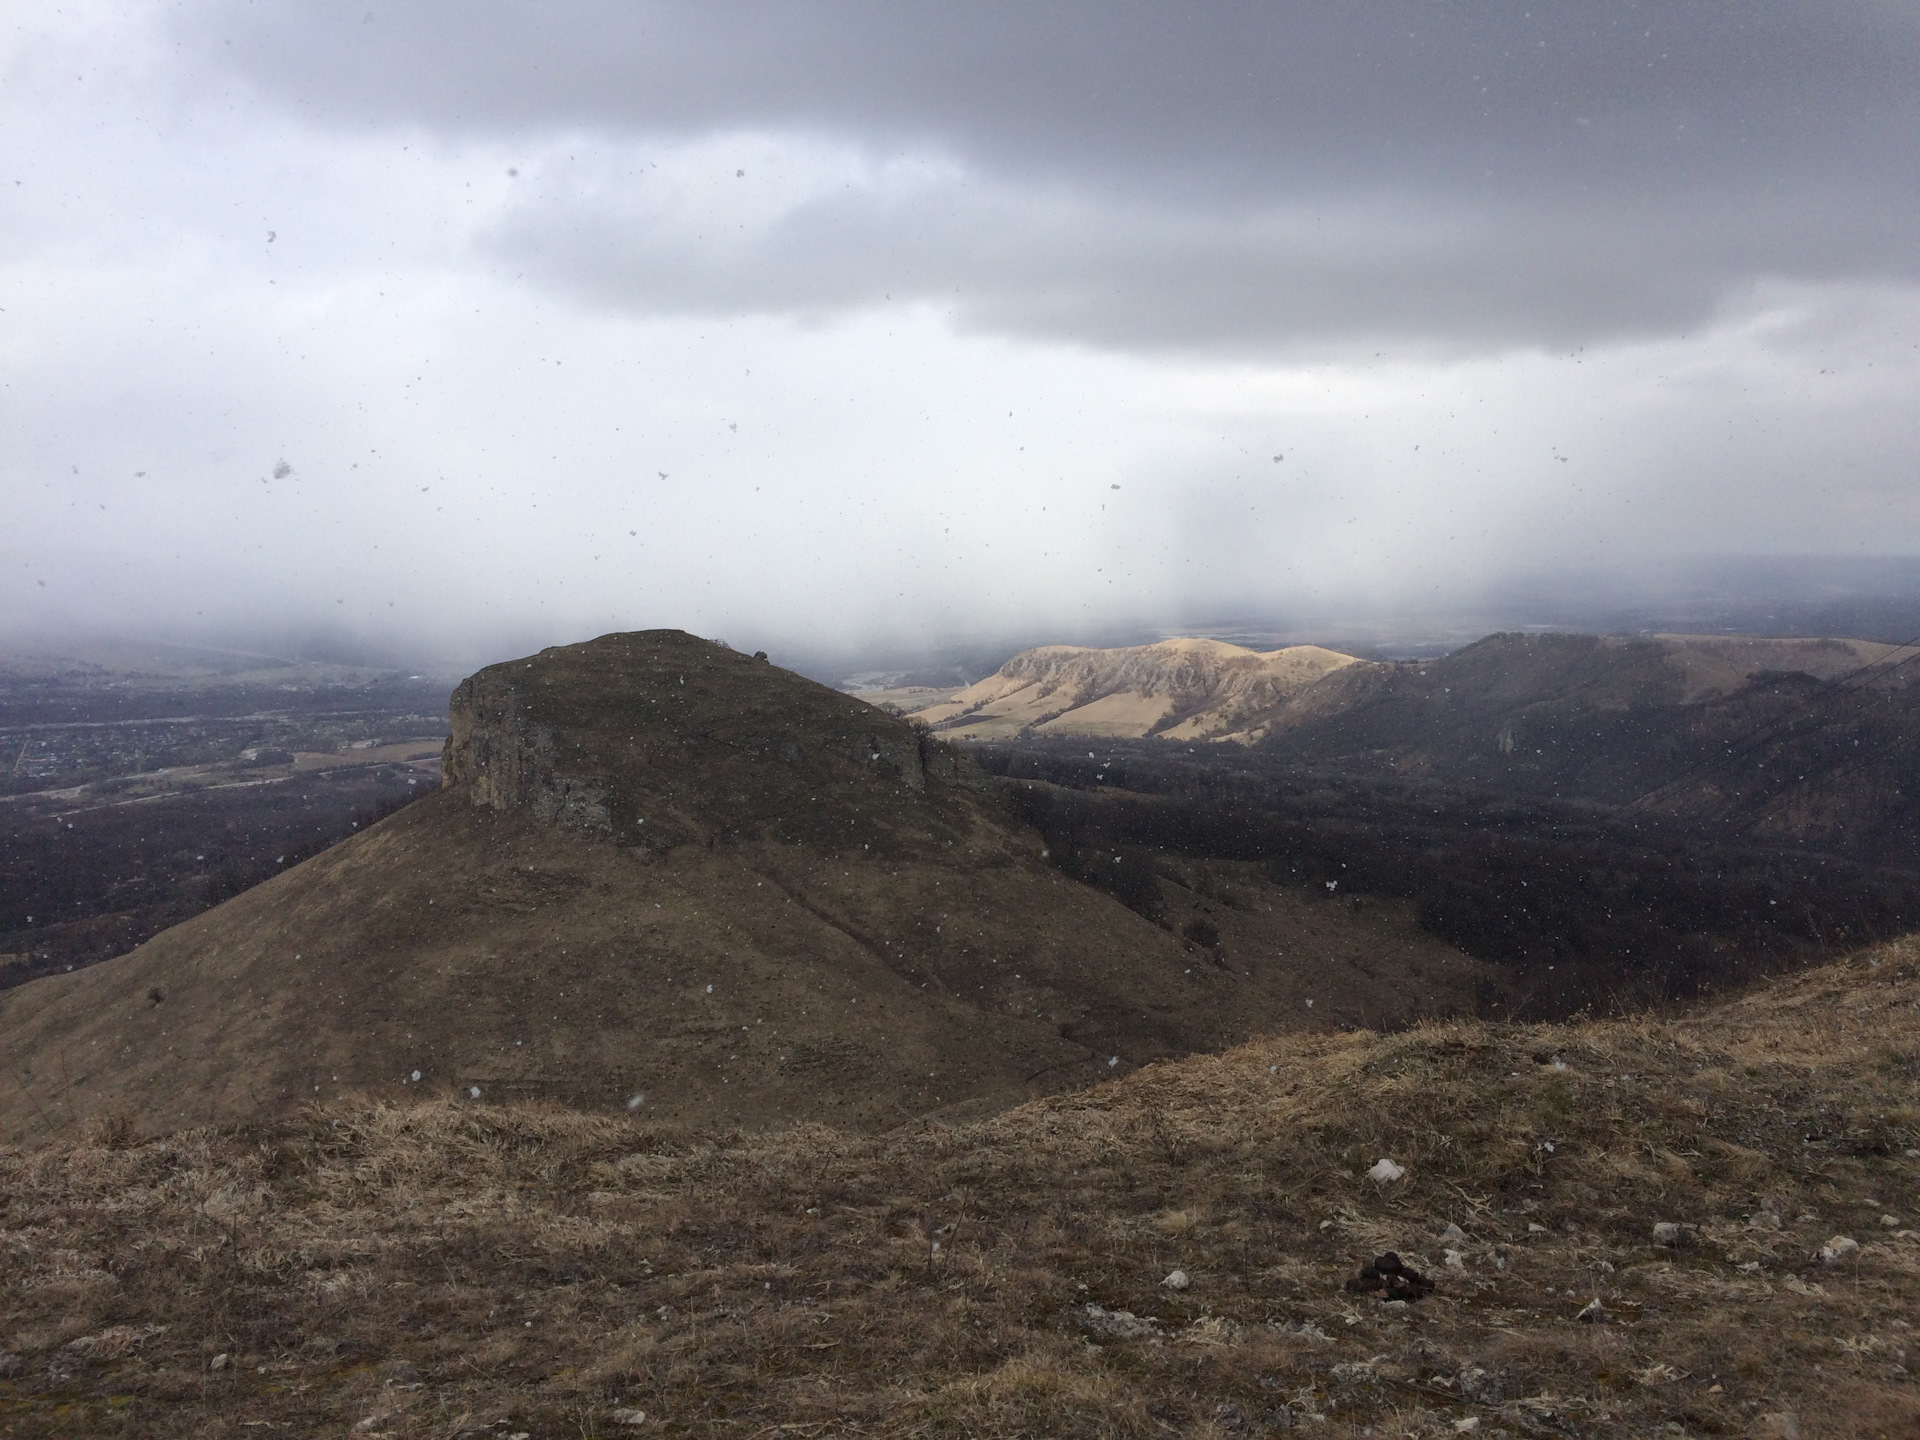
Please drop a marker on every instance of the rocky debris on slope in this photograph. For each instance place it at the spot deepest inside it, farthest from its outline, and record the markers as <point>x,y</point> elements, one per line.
<point>1840,1248</point>
<point>1116,1324</point>
<point>1390,1278</point>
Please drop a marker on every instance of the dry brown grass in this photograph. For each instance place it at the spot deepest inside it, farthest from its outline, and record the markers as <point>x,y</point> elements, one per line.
<point>448,1269</point>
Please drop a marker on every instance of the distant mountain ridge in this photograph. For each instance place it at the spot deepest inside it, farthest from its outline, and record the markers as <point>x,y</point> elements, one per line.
<point>1740,732</point>
<point>1184,689</point>
<point>1197,689</point>
<point>1801,741</point>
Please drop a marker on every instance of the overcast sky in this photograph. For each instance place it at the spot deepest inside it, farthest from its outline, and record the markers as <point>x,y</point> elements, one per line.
<point>469,323</point>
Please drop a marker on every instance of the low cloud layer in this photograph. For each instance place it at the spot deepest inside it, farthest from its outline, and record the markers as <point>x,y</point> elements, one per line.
<point>1128,175</point>
<point>888,322</point>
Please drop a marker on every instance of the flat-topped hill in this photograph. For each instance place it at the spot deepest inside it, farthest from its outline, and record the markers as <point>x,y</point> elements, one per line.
<point>659,739</point>
<point>668,876</point>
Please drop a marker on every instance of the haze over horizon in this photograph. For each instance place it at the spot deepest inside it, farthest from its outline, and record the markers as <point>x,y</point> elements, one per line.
<point>451,327</point>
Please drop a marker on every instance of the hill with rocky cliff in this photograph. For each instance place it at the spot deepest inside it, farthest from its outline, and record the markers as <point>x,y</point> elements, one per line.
<point>669,878</point>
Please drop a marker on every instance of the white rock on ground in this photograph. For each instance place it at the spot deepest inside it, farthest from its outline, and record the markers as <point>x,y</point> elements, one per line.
<point>1177,1280</point>
<point>1837,1249</point>
<point>1452,1235</point>
<point>1385,1172</point>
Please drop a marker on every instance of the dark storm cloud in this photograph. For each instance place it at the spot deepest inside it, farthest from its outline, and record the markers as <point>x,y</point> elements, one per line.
<point>1148,175</point>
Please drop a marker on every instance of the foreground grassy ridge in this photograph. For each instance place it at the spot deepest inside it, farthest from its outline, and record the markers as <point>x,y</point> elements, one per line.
<point>456,1269</point>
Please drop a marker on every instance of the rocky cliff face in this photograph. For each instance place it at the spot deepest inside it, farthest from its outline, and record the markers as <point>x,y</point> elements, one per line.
<point>504,759</point>
<point>658,738</point>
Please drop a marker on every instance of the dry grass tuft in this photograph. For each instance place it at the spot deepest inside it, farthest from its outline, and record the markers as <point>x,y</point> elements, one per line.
<point>446,1269</point>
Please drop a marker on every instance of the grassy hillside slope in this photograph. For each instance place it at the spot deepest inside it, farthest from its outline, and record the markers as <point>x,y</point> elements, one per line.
<point>456,1269</point>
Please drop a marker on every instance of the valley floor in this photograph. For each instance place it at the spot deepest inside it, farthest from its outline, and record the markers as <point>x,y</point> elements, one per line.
<point>456,1268</point>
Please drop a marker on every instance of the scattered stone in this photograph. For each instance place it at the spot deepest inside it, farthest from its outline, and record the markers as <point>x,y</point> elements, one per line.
<point>1892,1222</point>
<point>1116,1324</point>
<point>1594,1313</point>
<point>1355,1372</point>
<point>1385,1172</point>
<point>1674,1237</point>
<point>1228,1414</point>
<point>220,1361</point>
<point>1452,1235</point>
<point>1765,1218</point>
<point>1455,1260</point>
<point>1176,1280</point>
<point>1390,1278</point>
<point>1837,1249</point>
<point>1481,1386</point>
<point>1534,1227</point>
<point>1780,1425</point>
<point>1466,1426</point>
<point>632,1417</point>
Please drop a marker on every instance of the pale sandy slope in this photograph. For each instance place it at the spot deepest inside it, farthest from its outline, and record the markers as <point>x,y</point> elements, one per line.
<point>1193,689</point>
<point>1179,689</point>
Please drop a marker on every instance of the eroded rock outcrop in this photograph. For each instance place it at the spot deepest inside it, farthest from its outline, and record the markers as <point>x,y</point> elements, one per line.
<point>658,737</point>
